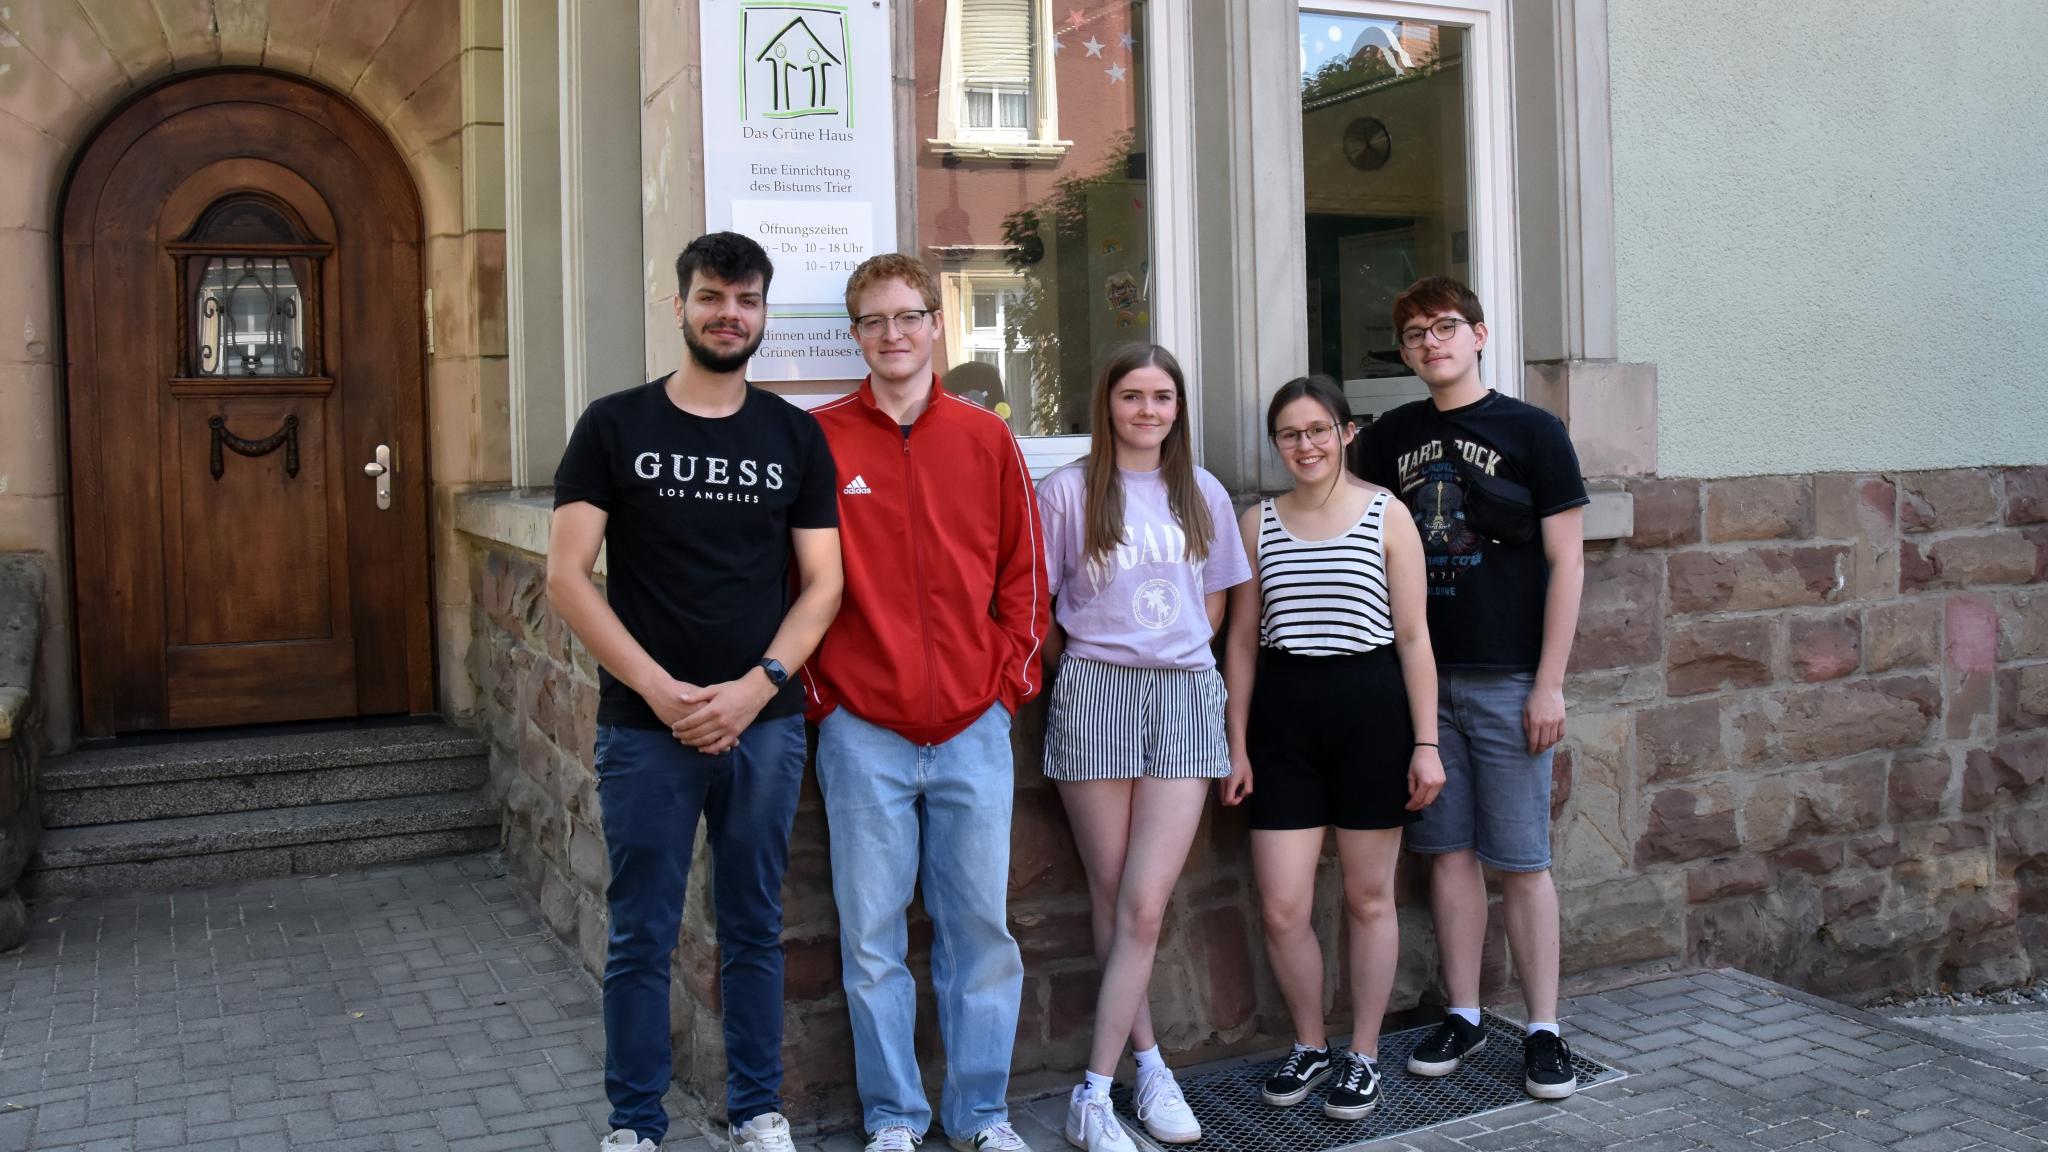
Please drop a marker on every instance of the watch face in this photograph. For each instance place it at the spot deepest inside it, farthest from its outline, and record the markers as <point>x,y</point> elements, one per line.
<point>1367,143</point>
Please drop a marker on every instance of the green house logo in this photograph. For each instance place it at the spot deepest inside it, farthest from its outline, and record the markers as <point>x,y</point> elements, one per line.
<point>795,63</point>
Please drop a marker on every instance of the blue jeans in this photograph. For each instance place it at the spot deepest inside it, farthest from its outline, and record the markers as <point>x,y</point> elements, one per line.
<point>1496,797</point>
<point>901,813</point>
<point>652,788</point>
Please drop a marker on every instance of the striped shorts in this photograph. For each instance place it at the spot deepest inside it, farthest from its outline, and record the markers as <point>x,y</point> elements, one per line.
<point>1108,722</point>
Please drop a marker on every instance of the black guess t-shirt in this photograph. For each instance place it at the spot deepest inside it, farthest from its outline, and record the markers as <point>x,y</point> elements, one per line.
<point>1485,596</point>
<point>699,511</point>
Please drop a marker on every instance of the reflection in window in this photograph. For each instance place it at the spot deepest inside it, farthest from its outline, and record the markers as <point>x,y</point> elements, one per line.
<point>249,318</point>
<point>1385,185</point>
<point>1043,252</point>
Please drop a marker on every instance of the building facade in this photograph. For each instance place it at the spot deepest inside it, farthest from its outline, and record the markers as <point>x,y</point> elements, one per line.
<point>1775,270</point>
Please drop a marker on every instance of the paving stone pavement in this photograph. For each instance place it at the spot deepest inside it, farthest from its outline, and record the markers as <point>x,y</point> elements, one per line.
<point>426,1007</point>
<point>2014,1032</point>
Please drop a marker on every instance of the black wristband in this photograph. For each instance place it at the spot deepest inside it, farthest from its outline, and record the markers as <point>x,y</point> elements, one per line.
<point>1425,744</point>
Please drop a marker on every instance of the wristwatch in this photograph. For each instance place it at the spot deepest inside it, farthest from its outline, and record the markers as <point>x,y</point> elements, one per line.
<point>777,674</point>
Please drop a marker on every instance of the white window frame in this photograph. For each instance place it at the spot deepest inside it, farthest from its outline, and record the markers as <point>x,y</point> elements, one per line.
<point>1489,125</point>
<point>1039,139</point>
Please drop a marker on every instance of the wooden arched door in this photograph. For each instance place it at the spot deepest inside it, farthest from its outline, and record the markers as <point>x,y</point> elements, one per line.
<point>242,312</point>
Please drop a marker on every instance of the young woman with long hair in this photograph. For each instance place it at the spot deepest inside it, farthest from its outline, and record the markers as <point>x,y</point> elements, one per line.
<point>1332,723</point>
<point>1140,554</point>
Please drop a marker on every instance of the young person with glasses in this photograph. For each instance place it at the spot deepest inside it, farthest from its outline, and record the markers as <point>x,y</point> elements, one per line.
<point>1495,490</point>
<point>1140,553</point>
<point>1332,723</point>
<point>935,648</point>
<point>707,492</point>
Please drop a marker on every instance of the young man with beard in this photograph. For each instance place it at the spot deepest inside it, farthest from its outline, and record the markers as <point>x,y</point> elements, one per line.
<point>703,490</point>
<point>1495,490</point>
<point>913,690</point>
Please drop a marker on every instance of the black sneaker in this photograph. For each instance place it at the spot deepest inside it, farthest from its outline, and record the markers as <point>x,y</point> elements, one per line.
<point>1450,1044</point>
<point>1297,1076</point>
<point>1356,1092</point>
<point>1547,1066</point>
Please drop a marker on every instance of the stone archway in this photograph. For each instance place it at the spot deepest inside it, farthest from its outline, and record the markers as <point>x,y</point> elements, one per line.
<point>69,64</point>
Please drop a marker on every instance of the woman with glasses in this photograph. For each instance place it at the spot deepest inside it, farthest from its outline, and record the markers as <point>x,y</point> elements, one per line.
<point>1140,554</point>
<point>1332,723</point>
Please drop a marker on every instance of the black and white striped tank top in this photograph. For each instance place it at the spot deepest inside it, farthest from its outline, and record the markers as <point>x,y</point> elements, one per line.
<point>1324,597</point>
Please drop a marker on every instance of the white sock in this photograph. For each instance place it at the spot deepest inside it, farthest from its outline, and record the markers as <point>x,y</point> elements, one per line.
<point>1536,1026</point>
<point>1098,1086</point>
<point>1468,1015</point>
<point>1149,1060</point>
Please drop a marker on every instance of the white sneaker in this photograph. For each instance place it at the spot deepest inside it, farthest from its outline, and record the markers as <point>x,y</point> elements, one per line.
<point>1092,1124</point>
<point>894,1138</point>
<point>1164,1110</point>
<point>998,1137</point>
<point>626,1140</point>
<point>768,1132</point>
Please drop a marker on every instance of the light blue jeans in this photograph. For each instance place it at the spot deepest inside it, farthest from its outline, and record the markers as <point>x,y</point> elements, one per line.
<point>900,814</point>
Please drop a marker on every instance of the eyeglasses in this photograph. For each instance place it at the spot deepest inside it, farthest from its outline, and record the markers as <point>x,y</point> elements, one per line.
<point>1443,329</point>
<point>908,323</point>
<point>1316,434</point>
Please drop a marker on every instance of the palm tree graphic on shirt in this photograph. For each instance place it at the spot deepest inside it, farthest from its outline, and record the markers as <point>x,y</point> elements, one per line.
<point>1155,604</point>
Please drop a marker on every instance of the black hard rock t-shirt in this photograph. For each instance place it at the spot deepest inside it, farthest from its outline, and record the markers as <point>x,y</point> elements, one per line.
<point>1485,596</point>
<point>697,546</point>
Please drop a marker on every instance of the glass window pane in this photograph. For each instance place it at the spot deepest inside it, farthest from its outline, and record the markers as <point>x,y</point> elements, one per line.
<point>987,309</point>
<point>980,108</point>
<point>248,318</point>
<point>1070,224</point>
<point>1015,110</point>
<point>1385,184</point>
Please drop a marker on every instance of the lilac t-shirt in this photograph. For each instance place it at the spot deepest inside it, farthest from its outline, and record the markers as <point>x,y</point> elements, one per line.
<point>1144,605</point>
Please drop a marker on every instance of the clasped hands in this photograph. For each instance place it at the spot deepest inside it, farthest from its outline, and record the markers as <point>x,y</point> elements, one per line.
<point>710,718</point>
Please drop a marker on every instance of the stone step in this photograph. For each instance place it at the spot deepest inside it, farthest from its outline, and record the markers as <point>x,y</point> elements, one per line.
<point>197,851</point>
<point>202,777</point>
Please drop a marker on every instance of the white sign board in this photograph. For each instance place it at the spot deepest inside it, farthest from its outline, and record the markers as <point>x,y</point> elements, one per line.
<point>800,154</point>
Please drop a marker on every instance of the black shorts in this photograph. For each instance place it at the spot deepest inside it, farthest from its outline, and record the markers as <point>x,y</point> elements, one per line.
<point>1330,739</point>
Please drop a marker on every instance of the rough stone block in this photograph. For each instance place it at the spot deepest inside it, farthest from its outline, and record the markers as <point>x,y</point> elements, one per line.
<point>1226,947</point>
<point>2023,625</point>
<point>1846,797</point>
<point>1969,656</point>
<point>1919,782</point>
<point>1939,501</point>
<point>1852,898</point>
<point>2014,766</point>
<point>1824,647</point>
<point>2024,839</point>
<point>2026,495</point>
<point>1832,721</point>
<point>1680,741</point>
<point>1758,578</point>
<point>2023,698</point>
<point>1861,509</point>
<point>1708,655</point>
<point>1641,918</point>
<point>1967,562</point>
<point>1810,859</point>
<point>1902,634</point>
<point>1590,838</point>
<point>1621,618</point>
<point>1724,878</point>
<point>1770,813</point>
<point>1688,824</point>
<point>1759,508</point>
<point>1667,512</point>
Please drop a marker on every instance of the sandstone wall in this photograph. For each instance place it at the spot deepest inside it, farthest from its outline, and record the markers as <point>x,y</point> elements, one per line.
<point>1808,730</point>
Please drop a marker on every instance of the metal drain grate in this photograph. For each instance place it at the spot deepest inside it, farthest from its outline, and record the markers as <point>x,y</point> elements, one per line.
<point>1235,1119</point>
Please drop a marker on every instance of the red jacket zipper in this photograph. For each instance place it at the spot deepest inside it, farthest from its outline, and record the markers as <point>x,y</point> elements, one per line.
<point>924,612</point>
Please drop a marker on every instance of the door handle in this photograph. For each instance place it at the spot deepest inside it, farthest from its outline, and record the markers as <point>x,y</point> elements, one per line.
<point>380,470</point>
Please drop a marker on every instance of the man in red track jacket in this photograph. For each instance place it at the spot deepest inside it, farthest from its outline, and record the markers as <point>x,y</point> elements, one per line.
<point>936,645</point>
